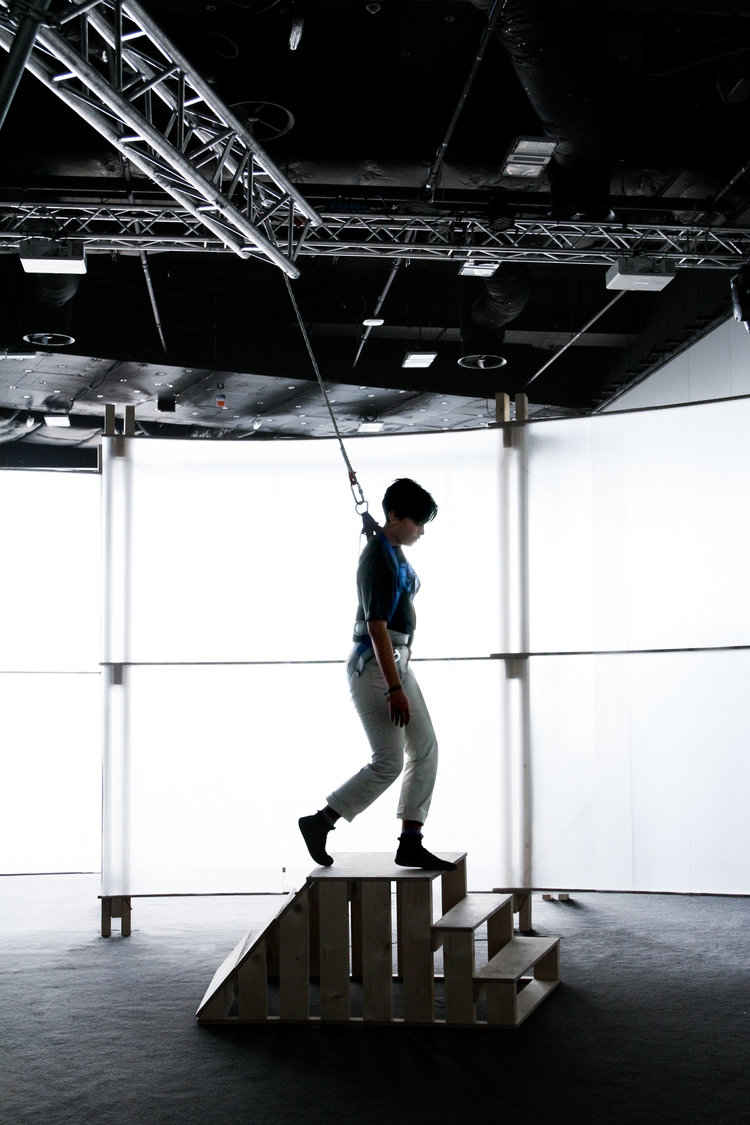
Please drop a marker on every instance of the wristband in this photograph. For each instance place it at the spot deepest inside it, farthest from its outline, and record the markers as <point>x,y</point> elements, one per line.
<point>391,690</point>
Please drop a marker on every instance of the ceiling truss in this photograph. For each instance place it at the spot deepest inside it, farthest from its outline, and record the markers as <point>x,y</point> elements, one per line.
<point>109,62</point>
<point>106,227</point>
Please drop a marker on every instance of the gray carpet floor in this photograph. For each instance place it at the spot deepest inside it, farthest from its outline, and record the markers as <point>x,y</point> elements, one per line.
<point>650,1024</point>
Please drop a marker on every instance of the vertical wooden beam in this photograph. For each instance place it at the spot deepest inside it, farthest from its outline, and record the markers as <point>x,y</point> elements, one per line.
<point>522,407</point>
<point>253,985</point>
<point>125,913</point>
<point>502,1003</point>
<point>334,949</point>
<point>314,913</point>
<point>272,951</point>
<point>499,929</point>
<point>524,911</point>
<point>458,959</point>
<point>106,917</point>
<point>374,910</point>
<point>355,897</point>
<point>548,967</point>
<point>502,407</point>
<point>453,885</point>
<point>418,966</point>
<point>294,971</point>
<point>399,928</point>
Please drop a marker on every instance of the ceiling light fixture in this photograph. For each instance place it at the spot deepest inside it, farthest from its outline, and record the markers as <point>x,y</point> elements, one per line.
<point>478,269</point>
<point>48,255</point>
<point>371,427</point>
<point>295,35</point>
<point>56,420</point>
<point>418,359</point>
<point>650,275</point>
<point>527,157</point>
<point>373,322</point>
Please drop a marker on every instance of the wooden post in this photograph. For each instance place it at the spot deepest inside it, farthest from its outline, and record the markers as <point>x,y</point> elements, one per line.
<point>502,407</point>
<point>499,929</point>
<point>294,971</point>
<point>314,914</point>
<point>458,959</point>
<point>355,896</point>
<point>453,886</point>
<point>334,949</point>
<point>253,985</point>
<point>502,1003</point>
<point>374,910</point>
<point>418,966</point>
<point>106,917</point>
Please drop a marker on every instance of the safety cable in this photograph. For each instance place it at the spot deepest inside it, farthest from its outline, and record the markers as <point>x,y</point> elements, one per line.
<point>369,525</point>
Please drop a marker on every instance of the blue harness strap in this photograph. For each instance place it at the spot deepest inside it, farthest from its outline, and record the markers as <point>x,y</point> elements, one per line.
<point>408,582</point>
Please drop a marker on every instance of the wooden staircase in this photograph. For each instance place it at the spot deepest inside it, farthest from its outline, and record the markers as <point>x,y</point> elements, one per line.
<point>334,936</point>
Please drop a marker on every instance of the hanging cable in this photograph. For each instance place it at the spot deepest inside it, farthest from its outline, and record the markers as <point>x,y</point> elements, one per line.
<point>370,526</point>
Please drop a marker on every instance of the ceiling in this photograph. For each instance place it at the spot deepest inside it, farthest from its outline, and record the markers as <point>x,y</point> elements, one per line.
<point>649,102</point>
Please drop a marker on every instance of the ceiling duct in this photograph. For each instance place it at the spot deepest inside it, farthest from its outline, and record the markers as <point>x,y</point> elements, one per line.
<point>47,314</point>
<point>554,50</point>
<point>502,298</point>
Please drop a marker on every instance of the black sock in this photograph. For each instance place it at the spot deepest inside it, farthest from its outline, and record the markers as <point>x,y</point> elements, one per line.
<point>330,814</point>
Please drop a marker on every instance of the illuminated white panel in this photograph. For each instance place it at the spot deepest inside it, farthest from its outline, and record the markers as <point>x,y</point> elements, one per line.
<point>638,534</point>
<point>640,772</point>
<point>50,571</point>
<point>50,773</point>
<point>223,761</point>
<point>249,551</point>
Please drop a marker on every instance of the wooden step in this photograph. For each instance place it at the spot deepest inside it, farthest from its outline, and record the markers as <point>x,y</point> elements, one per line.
<point>377,865</point>
<point>516,958</point>
<point>474,909</point>
<point>470,912</point>
<point>508,1004</point>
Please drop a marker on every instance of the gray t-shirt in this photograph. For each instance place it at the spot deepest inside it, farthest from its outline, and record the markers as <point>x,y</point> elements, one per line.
<point>377,583</point>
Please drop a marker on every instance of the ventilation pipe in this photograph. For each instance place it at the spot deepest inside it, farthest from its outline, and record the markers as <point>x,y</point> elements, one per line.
<point>555,49</point>
<point>484,317</point>
<point>48,310</point>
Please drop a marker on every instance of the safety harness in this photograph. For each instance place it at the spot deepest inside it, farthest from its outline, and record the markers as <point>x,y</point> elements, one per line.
<point>408,583</point>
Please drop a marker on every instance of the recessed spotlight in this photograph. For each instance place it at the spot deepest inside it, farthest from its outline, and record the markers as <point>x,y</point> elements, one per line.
<point>418,359</point>
<point>478,269</point>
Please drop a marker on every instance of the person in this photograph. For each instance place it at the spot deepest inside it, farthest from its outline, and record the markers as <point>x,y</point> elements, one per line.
<point>384,688</point>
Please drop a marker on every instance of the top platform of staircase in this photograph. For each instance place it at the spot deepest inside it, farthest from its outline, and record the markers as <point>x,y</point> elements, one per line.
<point>377,865</point>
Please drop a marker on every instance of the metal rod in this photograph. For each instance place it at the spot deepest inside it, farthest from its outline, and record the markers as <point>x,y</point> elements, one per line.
<point>23,44</point>
<point>152,298</point>
<point>573,339</point>
<point>378,307</point>
<point>434,173</point>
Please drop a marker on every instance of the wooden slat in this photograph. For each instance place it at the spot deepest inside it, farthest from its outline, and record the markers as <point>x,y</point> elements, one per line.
<point>531,997</point>
<point>548,967</point>
<point>453,886</point>
<point>474,909</point>
<point>502,1004</point>
<point>458,958</point>
<point>376,865</point>
<point>253,985</point>
<point>417,967</point>
<point>106,917</point>
<point>334,950</point>
<point>500,928</point>
<point>515,958</point>
<point>377,956</point>
<point>313,906</point>
<point>355,898</point>
<point>294,971</point>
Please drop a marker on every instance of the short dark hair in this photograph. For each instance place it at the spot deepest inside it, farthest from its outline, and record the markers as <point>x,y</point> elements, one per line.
<point>409,501</point>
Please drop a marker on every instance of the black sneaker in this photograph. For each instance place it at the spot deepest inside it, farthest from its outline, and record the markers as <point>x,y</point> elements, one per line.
<point>411,854</point>
<point>314,830</point>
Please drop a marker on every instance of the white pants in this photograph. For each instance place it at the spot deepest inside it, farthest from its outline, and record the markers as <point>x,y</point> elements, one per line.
<point>387,742</point>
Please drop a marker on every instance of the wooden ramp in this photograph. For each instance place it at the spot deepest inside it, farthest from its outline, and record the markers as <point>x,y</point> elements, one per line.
<point>331,945</point>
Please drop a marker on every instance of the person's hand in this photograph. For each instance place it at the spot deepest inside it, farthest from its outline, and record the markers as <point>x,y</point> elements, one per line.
<point>399,706</point>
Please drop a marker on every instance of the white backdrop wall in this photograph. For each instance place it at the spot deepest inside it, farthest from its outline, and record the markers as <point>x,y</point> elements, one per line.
<point>50,694</point>
<point>248,552</point>
<point>717,366</point>
<point>586,772</point>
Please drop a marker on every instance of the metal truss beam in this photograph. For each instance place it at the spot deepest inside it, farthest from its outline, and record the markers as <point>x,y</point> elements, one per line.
<point>113,66</point>
<point>154,227</point>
